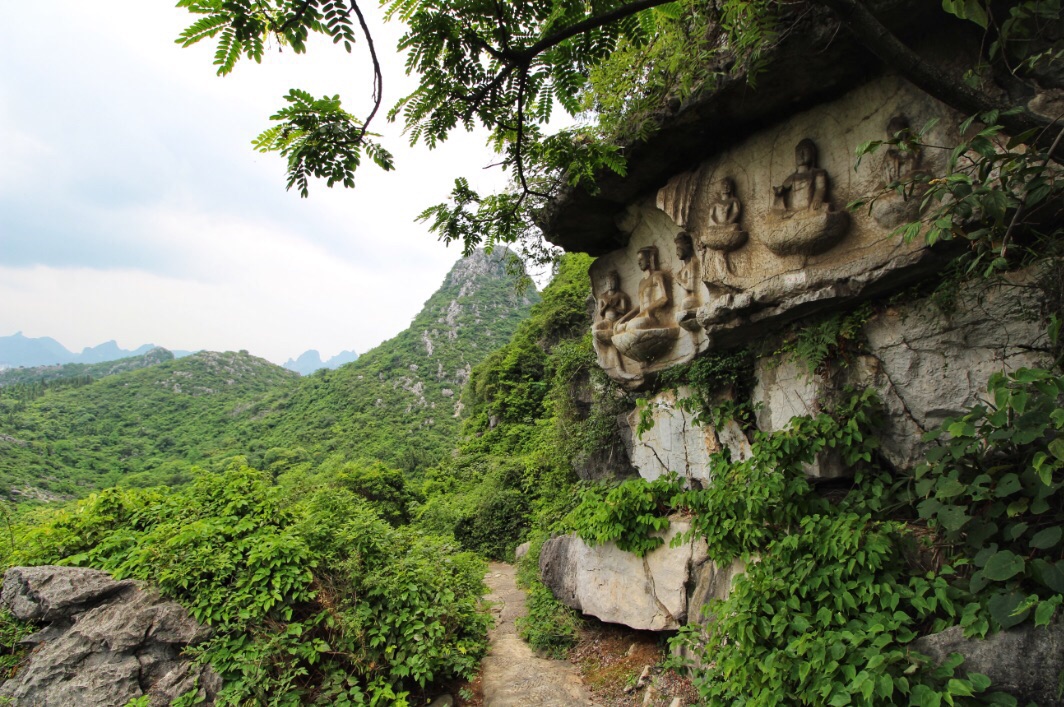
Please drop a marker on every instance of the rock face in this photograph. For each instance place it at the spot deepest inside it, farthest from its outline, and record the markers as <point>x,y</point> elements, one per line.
<point>649,593</point>
<point>926,364</point>
<point>1025,662</point>
<point>731,230</point>
<point>104,643</point>
<point>676,442</point>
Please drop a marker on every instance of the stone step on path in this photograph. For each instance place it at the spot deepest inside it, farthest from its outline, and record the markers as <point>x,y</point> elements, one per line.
<point>511,674</point>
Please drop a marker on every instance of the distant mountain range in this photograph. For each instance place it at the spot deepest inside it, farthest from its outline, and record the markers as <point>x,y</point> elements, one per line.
<point>310,361</point>
<point>18,350</point>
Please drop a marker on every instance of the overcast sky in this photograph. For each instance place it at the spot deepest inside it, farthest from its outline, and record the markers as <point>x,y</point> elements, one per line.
<point>132,206</point>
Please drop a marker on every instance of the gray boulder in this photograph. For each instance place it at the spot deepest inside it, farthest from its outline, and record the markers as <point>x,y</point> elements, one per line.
<point>648,593</point>
<point>104,643</point>
<point>1026,662</point>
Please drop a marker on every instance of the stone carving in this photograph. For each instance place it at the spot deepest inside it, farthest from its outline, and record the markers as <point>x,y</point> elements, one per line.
<point>648,332</point>
<point>689,279</point>
<point>715,223</point>
<point>802,221</point>
<point>900,165</point>
<point>613,305</point>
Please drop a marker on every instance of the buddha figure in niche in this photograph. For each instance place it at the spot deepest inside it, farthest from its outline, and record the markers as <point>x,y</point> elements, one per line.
<point>726,210</point>
<point>613,304</point>
<point>806,189</point>
<point>654,297</point>
<point>901,168</point>
<point>689,280</point>
<point>902,163</point>
<point>802,221</point>
<point>648,331</point>
<point>716,226</point>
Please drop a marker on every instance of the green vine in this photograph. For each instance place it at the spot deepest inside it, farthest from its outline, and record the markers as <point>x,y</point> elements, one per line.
<point>994,491</point>
<point>835,592</point>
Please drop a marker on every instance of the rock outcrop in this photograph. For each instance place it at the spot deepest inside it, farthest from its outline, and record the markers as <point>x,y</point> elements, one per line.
<point>676,441</point>
<point>656,592</point>
<point>1026,662</point>
<point>104,642</point>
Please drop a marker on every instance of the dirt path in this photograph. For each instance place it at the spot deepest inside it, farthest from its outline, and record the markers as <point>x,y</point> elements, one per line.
<point>512,675</point>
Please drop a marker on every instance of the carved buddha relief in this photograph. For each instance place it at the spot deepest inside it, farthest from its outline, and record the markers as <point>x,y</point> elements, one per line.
<point>612,306</point>
<point>802,220</point>
<point>648,331</point>
<point>689,279</point>
<point>714,221</point>
<point>902,165</point>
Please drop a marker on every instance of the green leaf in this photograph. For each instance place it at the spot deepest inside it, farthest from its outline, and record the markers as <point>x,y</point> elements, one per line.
<point>1007,485</point>
<point>953,518</point>
<point>959,688</point>
<point>1003,606</point>
<point>1044,613</point>
<point>948,488</point>
<point>1047,538</point>
<point>1056,448</point>
<point>1003,565</point>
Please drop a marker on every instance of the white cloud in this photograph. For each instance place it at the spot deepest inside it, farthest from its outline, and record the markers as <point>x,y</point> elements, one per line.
<point>133,207</point>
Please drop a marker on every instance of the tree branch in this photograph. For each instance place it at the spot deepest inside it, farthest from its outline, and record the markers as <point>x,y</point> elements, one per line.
<point>513,60</point>
<point>378,78</point>
<point>874,35</point>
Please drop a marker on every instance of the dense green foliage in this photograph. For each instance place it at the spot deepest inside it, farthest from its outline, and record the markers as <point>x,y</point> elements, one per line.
<point>83,372</point>
<point>993,490</point>
<point>835,591</point>
<point>12,631</point>
<point>516,462</point>
<point>141,427</point>
<point>316,587</point>
<point>397,404</point>
<point>313,598</point>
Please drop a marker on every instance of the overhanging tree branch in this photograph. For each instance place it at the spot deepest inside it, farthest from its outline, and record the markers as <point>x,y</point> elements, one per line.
<point>873,34</point>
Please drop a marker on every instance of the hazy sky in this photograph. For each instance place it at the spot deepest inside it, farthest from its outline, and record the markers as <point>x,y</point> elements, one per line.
<point>132,206</point>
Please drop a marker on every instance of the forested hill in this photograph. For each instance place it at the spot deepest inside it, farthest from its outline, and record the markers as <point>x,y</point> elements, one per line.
<point>153,421</point>
<point>401,401</point>
<point>398,403</point>
<point>71,373</point>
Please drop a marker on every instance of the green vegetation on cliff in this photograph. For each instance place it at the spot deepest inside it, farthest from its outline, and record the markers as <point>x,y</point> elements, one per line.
<point>517,449</point>
<point>51,376</point>
<point>401,402</point>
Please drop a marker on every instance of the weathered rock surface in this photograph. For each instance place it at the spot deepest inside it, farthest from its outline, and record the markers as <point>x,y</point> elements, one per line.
<point>786,389</point>
<point>105,642</point>
<point>1025,662</point>
<point>675,442</point>
<point>648,593</point>
<point>929,365</point>
<point>926,365</point>
<point>813,63</point>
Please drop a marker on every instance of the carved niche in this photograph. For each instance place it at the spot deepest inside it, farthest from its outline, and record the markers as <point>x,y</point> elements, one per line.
<point>902,166</point>
<point>802,220</point>
<point>760,234</point>
<point>648,331</point>
<point>646,310</point>
<point>713,219</point>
